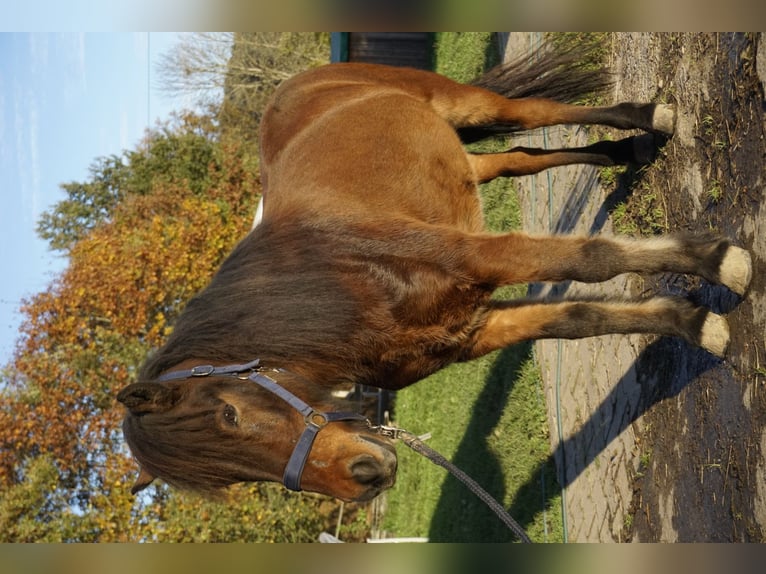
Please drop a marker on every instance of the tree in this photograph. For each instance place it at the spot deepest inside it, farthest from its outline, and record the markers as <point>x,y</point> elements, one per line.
<point>234,74</point>
<point>128,276</point>
<point>180,152</point>
<point>202,64</point>
<point>65,473</point>
<point>143,233</point>
<point>28,511</point>
<point>87,204</point>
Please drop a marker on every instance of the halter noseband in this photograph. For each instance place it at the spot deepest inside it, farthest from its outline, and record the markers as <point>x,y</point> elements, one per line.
<point>315,420</point>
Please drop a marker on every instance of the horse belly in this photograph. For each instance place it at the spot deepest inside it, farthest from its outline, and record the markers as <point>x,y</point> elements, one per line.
<point>383,156</point>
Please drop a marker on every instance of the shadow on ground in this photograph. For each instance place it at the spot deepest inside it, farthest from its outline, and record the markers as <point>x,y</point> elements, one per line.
<point>462,517</point>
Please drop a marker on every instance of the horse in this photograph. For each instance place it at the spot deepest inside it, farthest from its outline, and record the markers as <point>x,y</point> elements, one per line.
<point>370,264</point>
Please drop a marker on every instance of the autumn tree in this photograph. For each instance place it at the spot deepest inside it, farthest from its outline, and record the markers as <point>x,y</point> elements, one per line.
<point>180,202</point>
<point>143,233</point>
<point>178,152</point>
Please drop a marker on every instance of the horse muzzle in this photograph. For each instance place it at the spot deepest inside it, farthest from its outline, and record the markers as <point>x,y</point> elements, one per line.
<point>374,473</point>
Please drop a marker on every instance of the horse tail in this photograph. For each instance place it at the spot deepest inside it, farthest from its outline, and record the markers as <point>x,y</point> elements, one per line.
<point>566,72</point>
<point>570,72</point>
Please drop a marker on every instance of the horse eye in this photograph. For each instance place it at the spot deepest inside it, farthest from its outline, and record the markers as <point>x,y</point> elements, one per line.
<point>230,415</point>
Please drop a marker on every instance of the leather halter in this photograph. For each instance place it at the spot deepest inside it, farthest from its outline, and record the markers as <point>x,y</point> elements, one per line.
<point>315,420</point>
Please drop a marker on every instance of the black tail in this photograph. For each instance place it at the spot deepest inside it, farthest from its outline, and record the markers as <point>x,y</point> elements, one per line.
<point>570,74</point>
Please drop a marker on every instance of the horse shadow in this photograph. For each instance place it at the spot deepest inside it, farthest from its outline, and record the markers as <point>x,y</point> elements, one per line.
<point>458,516</point>
<point>660,372</point>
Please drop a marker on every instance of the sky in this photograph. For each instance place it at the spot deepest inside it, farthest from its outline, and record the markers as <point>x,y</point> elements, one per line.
<point>65,100</point>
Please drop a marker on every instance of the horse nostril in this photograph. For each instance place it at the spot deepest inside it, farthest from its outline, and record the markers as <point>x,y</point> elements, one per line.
<point>367,470</point>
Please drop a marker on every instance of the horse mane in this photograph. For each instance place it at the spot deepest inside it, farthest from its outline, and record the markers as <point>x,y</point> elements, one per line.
<point>160,443</point>
<point>262,286</point>
<point>265,284</point>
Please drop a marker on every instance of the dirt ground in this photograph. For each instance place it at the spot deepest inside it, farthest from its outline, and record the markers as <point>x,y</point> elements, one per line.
<point>656,440</point>
<point>703,440</point>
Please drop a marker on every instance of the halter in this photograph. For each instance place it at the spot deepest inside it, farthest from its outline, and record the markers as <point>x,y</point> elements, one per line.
<point>315,420</point>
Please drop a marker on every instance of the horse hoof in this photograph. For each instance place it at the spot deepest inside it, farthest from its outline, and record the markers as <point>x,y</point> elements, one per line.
<point>664,119</point>
<point>736,270</point>
<point>714,337</point>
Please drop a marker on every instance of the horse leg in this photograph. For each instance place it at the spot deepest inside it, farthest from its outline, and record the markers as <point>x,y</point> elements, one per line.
<point>526,161</point>
<point>466,106</point>
<point>521,258</point>
<point>507,323</point>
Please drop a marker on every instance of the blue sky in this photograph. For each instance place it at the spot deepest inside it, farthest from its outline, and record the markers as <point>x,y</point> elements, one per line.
<point>65,99</point>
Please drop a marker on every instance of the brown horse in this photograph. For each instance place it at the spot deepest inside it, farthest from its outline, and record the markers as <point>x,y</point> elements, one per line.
<point>371,265</point>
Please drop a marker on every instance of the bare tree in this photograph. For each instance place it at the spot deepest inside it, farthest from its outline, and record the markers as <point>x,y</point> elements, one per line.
<point>204,65</point>
<point>196,66</point>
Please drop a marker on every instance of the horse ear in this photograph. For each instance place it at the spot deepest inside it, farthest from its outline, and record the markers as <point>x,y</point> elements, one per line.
<point>144,479</point>
<point>141,398</point>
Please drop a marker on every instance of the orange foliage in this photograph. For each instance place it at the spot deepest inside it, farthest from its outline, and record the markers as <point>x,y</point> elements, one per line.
<point>65,473</point>
<point>83,338</point>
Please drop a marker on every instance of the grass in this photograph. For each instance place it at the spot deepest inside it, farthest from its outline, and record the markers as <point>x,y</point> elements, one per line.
<point>643,213</point>
<point>463,56</point>
<point>487,416</point>
<point>715,191</point>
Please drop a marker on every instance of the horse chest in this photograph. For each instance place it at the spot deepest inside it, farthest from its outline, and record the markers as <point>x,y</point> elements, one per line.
<point>410,337</point>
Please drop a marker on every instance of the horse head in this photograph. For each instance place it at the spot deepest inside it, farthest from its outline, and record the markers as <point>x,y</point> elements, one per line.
<point>244,424</point>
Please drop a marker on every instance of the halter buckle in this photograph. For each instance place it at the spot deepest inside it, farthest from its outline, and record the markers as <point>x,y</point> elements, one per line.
<point>202,370</point>
<point>388,432</point>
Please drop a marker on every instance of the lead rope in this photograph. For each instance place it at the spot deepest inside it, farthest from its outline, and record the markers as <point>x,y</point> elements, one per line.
<point>416,444</point>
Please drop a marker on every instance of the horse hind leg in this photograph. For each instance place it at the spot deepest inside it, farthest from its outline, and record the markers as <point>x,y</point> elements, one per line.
<point>477,108</point>
<point>541,90</point>
<point>656,118</point>
<point>526,161</point>
<point>467,106</point>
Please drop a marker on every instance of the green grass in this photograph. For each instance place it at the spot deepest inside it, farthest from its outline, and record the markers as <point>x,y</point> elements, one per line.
<point>643,213</point>
<point>463,56</point>
<point>486,416</point>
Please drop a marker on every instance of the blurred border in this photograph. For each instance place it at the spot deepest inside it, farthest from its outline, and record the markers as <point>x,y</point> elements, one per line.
<point>305,15</point>
<point>371,15</point>
<point>381,558</point>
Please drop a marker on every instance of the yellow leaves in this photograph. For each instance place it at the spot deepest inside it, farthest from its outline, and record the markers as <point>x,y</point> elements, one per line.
<point>266,513</point>
<point>138,271</point>
<point>83,339</point>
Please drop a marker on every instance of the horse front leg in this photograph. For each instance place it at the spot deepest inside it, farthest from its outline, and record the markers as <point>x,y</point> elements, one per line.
<point>521,258</point>
<point>507,323</point>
